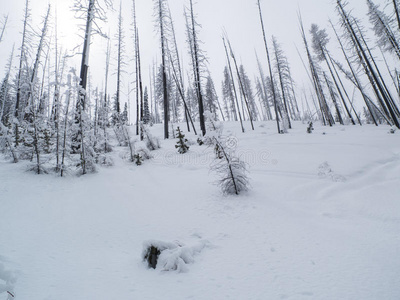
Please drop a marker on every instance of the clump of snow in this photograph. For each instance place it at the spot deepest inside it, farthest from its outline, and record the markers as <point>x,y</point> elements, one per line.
<point>105,160</point>
<point>325,171</point>
<point>7,281</point>
<point>174,256</point>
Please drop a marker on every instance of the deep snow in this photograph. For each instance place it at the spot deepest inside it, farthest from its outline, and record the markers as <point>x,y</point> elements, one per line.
<point>321,221</point>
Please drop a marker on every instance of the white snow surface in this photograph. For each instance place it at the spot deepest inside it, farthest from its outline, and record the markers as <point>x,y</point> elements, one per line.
<point>321,221</point>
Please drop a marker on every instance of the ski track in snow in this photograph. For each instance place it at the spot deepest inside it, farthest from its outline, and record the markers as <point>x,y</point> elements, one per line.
<point>292,236</point>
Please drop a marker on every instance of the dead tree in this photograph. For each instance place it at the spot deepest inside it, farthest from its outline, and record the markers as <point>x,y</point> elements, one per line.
<point>233,85</point>
<point>317,83</point>
<point>196,57</point>
<point>161,11</point>
<point>319,41</point>
<point>269,68</point>
<point>22,60</point>
<point>383,31</point>
<point>4,28</point>
<point>263,90</point>
<point>367,61</point>
<point>282,68</point>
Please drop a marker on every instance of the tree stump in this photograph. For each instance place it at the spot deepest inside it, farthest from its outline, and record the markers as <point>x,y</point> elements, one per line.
<point>152,256</point>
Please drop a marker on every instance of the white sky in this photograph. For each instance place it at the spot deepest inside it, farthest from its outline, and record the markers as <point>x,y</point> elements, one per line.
<point>238,17</point>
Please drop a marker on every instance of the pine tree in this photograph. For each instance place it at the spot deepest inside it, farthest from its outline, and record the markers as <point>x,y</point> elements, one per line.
<point>181,145</point>
<point>210,96</point>
<point>248,90</point>
<point>228,96</point>
<point>146,111</point>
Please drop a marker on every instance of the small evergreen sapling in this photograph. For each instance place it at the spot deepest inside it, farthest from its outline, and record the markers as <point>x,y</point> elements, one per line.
<point>310,127</point>
<point>181,145</point>
<point>138,159</point>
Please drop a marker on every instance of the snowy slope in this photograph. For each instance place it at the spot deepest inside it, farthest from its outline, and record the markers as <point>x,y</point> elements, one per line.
<point>296,234</point>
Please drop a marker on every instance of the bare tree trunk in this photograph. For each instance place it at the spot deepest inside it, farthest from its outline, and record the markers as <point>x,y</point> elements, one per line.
<point>140,84</point>
<point>81,101</point>
<point>4,28</point>
<point>264,88</point>
<point>197,71</point>
<point>270,69</point>
<point>108,54</point>
<point>241,85</point>
<point>396,10</point>
<point>69,84</point>
<point>233,85</point>
<point>365,60</point>
<point>280,75</point>
<point>161,16</point>
<point>356,80</point>
<point>21,62</point>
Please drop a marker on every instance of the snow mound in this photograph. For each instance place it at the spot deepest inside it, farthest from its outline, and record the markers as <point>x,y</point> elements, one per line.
<point>325,171</point>
<point>173,256</point>
<point>7,281</point>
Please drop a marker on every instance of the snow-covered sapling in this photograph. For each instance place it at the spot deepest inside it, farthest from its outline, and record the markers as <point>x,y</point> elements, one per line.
<point>231,170</point>
<point>181,145</point>
<point>138,159</point>
<point>310,127</point>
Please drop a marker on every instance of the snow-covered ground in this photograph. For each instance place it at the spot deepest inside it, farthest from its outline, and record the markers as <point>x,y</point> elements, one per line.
<point>321,221</point>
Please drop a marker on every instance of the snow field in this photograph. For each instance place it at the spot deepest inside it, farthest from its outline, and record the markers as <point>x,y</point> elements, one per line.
<point>294,235</point>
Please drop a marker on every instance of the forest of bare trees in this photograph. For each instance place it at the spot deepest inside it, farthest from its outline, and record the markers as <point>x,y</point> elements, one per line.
<point>53,115</point>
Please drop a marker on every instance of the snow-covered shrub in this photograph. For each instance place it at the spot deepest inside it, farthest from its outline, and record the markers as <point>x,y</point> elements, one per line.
<point>171,256</point>
<point>7,282</point>
<point>152,143</point>
<point>214,128</point>
<point>105,160</point>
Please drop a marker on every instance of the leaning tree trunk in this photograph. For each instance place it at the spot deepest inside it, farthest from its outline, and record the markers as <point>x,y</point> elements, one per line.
<point>233,85</point>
